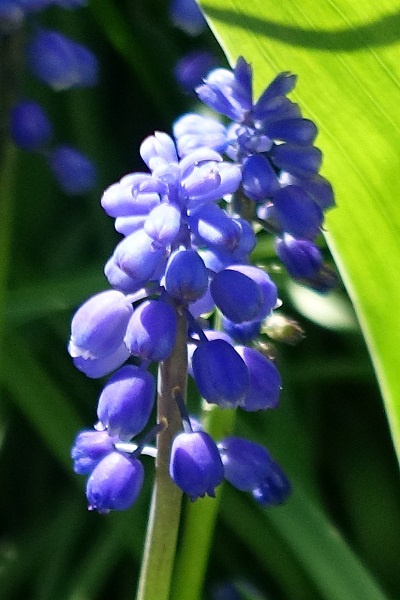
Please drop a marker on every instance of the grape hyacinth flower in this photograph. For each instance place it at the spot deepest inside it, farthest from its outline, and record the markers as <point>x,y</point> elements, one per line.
<point>62,64</point>
<point>184,256</point>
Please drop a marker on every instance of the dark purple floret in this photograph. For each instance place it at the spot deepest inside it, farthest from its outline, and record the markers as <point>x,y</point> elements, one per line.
<point>317,187</point>
<point>126,402</point>
<point>186,276</point>
<point>259,178</point>
<point>275,488</point>
<point>264,380</point>
<point>220,373</point>
<point>246,463</point>
<point>30,126</point>
<point>297,213</point>
<point>115,483</point>
<point>268,288</point>
<point>195,464</point>
<point>75,173</point>
<point>302,258</point>
<point>293,130</point>
<point>237,296</point>
<point>301,161</point>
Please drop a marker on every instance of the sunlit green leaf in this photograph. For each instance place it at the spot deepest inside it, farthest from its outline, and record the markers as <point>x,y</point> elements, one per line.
<point>346,56</point>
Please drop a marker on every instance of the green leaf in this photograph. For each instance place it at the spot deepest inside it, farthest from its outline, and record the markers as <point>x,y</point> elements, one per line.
<point>346,56</point>
<point>39,398</point>
<point>334,569</point>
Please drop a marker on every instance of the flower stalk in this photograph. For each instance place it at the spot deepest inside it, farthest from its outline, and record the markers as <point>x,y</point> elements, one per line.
<point>164,518</point>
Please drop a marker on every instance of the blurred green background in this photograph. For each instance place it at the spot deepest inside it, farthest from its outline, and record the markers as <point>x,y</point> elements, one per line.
<point>337,538</point>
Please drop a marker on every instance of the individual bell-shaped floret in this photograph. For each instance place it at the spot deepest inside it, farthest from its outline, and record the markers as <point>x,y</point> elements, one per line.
<point>137,256</point>
<point>273,95</point>
<point>214,227</point>
<point>211,334</point>
<point>60,62</point>
<point>163,223</point>
<point>259,179</point>
<point>151,331</point>
<point>89,448</point>
<point>302,258</point>
<point>220,373</point>
<point>317,187</point>
<point>195,464</point>
<point>158,150</point>
<point>275,488</point>
<point>229,92</point>
<point>193,131</point>
<point>126,402</point>
<point>99,367</point>
<point>30,127</point>
<point>237,296</point>
<point>99,325</point>
<point>268,288</point>
<point>186,276</point>
<point>115,483</point>
<point>302,161</point>
<point>75,173</point>
<point>264,380</point>
<point>209,182</point>
<point>293,130</point>
<point>246,464</point>
<point>119,200</point>
<point>239,301</point>
<point>119,279</point>
<point>297,213</point>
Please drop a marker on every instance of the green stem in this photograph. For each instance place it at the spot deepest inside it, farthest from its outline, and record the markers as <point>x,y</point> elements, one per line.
<point>162,531</point>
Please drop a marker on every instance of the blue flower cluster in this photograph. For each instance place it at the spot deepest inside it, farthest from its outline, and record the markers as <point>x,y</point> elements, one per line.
<point>186,251</point>
<point>281,187</point>
<point>62,64</point>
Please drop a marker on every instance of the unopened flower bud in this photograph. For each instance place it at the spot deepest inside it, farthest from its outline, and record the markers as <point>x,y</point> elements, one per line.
<point>282,329</point>
<point>195,464</point>
<point>115,483</point>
